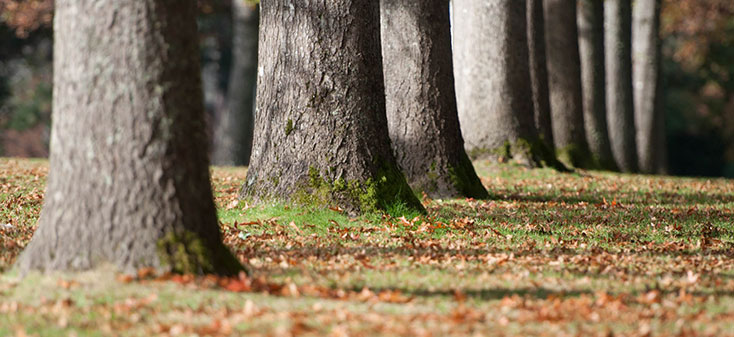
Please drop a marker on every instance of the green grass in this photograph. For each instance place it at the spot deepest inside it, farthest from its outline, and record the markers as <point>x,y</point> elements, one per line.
<point>548,253</point>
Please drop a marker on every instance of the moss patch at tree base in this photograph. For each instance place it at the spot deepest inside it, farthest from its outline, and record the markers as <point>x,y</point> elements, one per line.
<point>527,153</point>
<point>387,189</point>
<point>187,253</point>
<point>576,156</point>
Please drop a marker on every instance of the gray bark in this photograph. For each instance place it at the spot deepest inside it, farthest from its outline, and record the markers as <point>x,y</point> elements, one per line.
<point>493,80</point>
<point>649,116</point>
<point>321,129</point>
<point>620,103</point>
<point>539,71</point>
<point>593,77</point>
<point>564,81</point>
<point>421,101</point>
<point>129,178</point>
<point>233,136</point>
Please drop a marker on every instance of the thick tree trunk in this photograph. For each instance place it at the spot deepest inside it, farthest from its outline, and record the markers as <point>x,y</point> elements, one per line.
<point>322,135</point>
<point>564,77</point>
<point>129,180</point>
<point>591,48</point>
<point>649,117</point>
<point>421,102</point>
<point>233,136</point>
<point>620,104</point>
<point>493,81</point>
<point>539,71</point>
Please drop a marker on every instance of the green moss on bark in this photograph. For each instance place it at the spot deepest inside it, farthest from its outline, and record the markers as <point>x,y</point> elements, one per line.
<point>529,153</point>
<point>576,156</point>
<point>384,191</point>
<point>187,253</point>
<point>465,179</point>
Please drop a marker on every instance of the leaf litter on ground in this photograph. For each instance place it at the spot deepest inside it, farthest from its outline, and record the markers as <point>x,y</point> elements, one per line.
<point>548,254</point>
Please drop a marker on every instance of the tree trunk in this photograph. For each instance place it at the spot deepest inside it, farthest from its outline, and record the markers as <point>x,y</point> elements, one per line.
<point>493,81</point>
<point>322,134</point>
<point>564,77</point>
<point>421,102</point>
<point>129,180</point>
<point>233,137</point>
<point>620,113</point>
<point>591,48</point>
<point>539,71</point>
<point>649,117</point>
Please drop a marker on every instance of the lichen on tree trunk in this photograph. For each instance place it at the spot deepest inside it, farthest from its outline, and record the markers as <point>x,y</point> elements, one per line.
<point>129,178</point>
<point>321,129</point>
<point>421,102</point>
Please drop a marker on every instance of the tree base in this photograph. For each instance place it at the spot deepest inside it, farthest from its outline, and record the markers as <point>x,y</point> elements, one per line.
<point>181,254</point>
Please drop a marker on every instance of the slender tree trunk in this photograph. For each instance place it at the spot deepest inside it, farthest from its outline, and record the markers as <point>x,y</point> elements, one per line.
<point>649,117</point>
<point>620,104</point>
<point>591,47</point>
<point>233,136</point>
<point>421,102</point>
<point>564,77</point>
<point>493,81</point>
<point>539,71</point>
<point>129,181</point>
<point>322,135</point>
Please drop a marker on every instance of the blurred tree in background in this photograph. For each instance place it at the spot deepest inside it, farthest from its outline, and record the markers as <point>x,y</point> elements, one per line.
<point>26,47</point>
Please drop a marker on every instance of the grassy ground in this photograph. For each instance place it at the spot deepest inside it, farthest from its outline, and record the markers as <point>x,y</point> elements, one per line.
<point>548,254</point>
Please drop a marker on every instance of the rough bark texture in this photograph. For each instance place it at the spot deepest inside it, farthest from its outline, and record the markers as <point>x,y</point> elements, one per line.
<point>620,104</point>
<point>591,48</point>
<point>539,71</point>
<point>493,81</point>
<point>649,116</point>
<point>321,129</point>
<point>420,99</point>
<point>233,136</point>
<point>564,77</point>
<point>129,181</point>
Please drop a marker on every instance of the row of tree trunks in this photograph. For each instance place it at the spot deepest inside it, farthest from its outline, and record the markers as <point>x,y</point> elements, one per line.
<point>494,82</point>
<point>421,101</point>
<point>129,181</point>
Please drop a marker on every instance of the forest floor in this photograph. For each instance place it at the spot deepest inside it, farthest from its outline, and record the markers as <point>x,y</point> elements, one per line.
<point>578,254</point>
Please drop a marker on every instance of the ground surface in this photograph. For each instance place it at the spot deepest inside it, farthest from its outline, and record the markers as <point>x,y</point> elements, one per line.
<point>549,254</point>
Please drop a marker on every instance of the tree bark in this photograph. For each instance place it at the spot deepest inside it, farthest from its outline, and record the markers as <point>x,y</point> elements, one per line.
<point>593,77</point>
<point>649,117</point>
<point>493,81</point>
<point>564,77</point>
<point>421,101</point>
<point>233,136</point>
<point>620,103</point>
<point>322,135</point>
<point>539,71</point>
<point>129,178</point>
